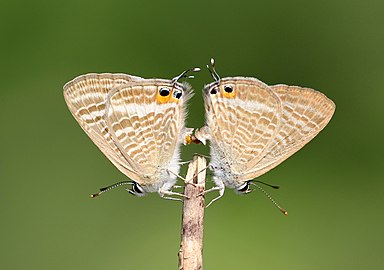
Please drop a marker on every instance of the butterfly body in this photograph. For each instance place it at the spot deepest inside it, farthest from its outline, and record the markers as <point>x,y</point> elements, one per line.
<point>137,123</point>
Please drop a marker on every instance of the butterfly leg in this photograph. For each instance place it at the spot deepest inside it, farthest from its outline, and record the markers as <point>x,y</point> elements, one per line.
<point>183,162</point>
<point>221,193</point>
<point>208,191</point>
<point>172,198</point>
<point>203,170</point>
<point>166,193</point>
<point>220,187</point>
<point>175,174</point>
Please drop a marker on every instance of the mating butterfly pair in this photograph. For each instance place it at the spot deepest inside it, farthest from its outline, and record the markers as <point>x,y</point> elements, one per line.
<point>139,124</point>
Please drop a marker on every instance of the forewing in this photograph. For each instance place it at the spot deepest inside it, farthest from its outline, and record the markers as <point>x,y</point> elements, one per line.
<point>86,99</point>
<point>242,123</point>
<point>305,113</point>
<point>146,126</point>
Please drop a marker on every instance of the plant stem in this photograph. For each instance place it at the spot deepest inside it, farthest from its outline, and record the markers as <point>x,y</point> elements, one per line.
<point>191,246</point>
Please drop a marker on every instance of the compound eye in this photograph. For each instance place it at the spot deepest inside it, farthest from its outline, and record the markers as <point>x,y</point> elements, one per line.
<point>228,89</point>
<point>164,92</point>
<point>213,91</point>
<point>177,94</point>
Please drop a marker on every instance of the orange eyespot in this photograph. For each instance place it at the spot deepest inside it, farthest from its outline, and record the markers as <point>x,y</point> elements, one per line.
<point>165,95</point>
<point>164,92</point>
<point>229,91</point>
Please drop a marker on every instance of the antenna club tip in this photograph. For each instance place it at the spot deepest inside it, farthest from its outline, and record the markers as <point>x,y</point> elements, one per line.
<point>94,195</point>
<point>284,212</point>
<point>212,61</point>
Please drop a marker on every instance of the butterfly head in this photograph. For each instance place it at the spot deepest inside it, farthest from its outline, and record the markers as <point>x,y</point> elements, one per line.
<point>220,88</point>
<point>175,91</point>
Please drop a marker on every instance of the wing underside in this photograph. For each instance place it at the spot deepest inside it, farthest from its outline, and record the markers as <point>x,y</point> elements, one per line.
<point>146,131</point>
<point>305,113</point>
<point>256,127</point>
<point>86,99</point>
<point>241,126</point>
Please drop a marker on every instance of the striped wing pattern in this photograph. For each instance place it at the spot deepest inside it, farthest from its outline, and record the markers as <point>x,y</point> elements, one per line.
<point>241,126</point>
<point>147,132</point>
<point>252,128</point>
<point>138,132</point>
<point>256,127</point>
<point>86,99</point>
<point>305,113</point>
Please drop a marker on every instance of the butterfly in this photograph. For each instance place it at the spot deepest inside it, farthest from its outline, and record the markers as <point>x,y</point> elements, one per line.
<point>138,124</point>
<point>253,127</point>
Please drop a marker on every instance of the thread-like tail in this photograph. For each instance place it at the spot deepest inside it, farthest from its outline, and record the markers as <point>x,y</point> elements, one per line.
<point>105,189</point>
<point>282,210</point>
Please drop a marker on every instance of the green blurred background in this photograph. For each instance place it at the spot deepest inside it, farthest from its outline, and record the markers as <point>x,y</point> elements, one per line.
<point>333,188</point>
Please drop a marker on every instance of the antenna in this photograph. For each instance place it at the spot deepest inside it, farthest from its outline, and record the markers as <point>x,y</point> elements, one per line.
<point>105,189</point>
<point>213,71</point>
<point>269,185</point>
<point>184,74</point>
<point>282,210</point>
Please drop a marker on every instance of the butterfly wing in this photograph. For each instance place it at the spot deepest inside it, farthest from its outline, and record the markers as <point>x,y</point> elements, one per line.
<point>148,127</point>
<point>243,117</point>
<point>86,99</point>
<point>305,113</point>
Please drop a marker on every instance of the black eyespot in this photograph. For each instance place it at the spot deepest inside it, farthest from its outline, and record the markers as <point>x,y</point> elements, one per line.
<point>137,188</point>
<point>228,89</point>
<point>164,92</point>
<point>177,94</point>
<point>213,91</point>
<point>243,188</point>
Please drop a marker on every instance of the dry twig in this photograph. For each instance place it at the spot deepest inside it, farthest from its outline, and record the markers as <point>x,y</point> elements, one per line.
<point>191,247</point>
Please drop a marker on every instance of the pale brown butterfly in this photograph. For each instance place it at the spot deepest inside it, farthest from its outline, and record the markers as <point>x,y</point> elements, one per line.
<point>139,125</point>
<point>253,127</point>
